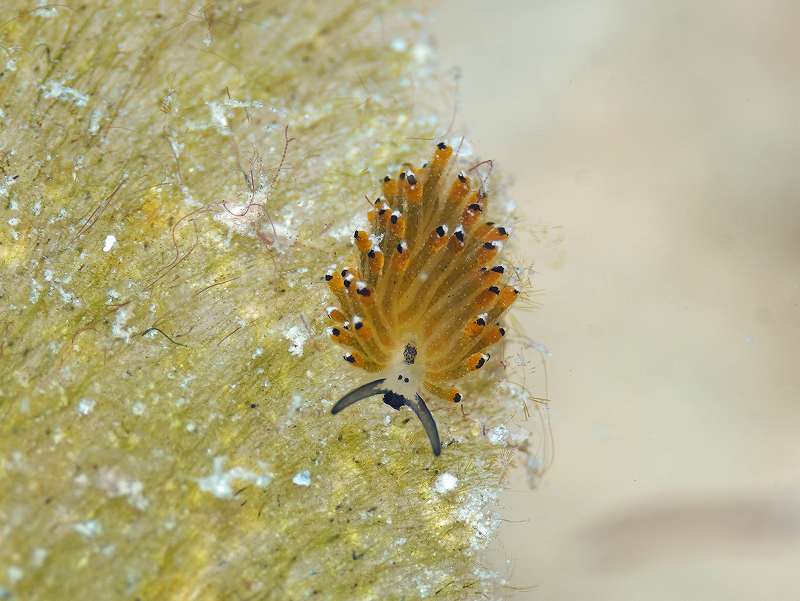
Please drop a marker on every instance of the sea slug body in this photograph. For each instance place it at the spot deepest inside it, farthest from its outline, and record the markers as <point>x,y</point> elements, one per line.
<point>423,302</point>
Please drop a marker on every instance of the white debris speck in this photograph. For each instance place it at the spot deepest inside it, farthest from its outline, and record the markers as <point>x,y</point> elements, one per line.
<point>297,336</point>
<point>498,435</point>
<point>118,329</point>
<point>86,406</point>
<point>5,185</point>
<point>422,52</point>
<point>14,574</point>
<point>243,104</point>
<point>398,45</point>
<point>111,240</point>
<point>138,408</point>
<point>38,556</point>
<point>14,221</point>
<point>11,65</point>
<point>37,207</point>
<point>476,512</point>
<point>88,528</point>
<point>36,288</point>
<point>57,90</point>
<point>187,380</point>
<point>94,121</point>
<point>45,10</point>
<point>58,435</point>
<point>191,427</point>
<point>445,483</point>
<point>17,461</point>
<point>302,478</point>
<point>115,484</point>
<point>218,117</point>
<point>219,482</point>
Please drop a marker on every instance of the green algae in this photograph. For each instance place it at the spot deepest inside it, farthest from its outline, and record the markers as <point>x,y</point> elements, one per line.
<point>174,180</point>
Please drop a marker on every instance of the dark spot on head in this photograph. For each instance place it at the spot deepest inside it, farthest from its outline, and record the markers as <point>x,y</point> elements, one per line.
<point>253,405</point>
<point>405,380</point>
<point>409,354</point>
<point>399,378</point>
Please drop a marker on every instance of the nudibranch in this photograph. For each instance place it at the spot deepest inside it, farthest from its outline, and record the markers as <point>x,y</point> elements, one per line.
<point>423,303</point>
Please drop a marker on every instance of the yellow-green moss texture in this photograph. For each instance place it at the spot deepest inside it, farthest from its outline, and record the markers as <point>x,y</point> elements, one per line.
<point>174,180</point>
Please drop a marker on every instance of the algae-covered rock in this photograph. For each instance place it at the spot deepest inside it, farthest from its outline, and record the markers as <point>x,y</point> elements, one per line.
<point>175,178</point>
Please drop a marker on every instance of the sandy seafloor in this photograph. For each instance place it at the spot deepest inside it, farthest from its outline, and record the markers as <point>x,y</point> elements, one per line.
<point>662,139</point>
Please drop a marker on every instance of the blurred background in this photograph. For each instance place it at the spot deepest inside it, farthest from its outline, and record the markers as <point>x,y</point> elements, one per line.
<point>661,141</point>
